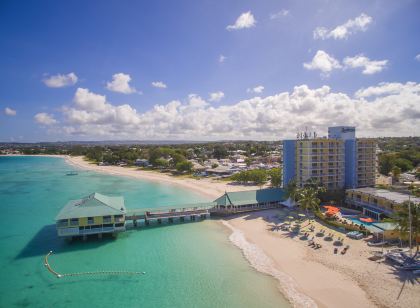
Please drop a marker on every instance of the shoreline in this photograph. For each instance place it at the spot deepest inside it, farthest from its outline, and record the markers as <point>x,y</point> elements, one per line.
<point>322,277</point>
<point>305,277</point>
<point>204,186</point>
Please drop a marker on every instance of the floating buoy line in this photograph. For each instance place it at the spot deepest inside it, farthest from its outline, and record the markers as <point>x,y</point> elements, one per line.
<point>59,275</point>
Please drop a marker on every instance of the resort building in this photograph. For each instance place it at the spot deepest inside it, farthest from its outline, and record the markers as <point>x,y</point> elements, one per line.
<point>376,203</point>
<point>337,162</point>
<point>94,214</point>
<point>242,201</point>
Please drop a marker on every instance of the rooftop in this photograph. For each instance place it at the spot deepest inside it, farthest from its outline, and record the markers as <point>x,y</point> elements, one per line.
<point>251,197</point>
<point>95,204</point>
<point>387,194</point>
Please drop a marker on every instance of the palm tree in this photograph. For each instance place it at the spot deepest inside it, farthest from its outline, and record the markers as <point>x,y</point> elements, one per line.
<point>308,199</point>
<point>292,191</point>
<point>402,219</point>
<point>315,185</point>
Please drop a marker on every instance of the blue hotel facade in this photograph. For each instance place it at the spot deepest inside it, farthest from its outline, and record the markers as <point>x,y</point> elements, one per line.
<point>339,161</point>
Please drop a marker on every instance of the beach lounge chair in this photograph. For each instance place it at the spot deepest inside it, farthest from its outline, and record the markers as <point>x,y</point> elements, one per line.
<point>345,249</point>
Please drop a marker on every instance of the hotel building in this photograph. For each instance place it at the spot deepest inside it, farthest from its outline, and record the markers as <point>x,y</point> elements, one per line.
<point>376,203</point>
<point>337,162</point>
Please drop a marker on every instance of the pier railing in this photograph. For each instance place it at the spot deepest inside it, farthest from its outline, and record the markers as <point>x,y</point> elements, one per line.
<point>170,211</point>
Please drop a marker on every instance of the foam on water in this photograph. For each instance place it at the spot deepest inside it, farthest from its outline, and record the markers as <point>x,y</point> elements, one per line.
<point>262,263</point>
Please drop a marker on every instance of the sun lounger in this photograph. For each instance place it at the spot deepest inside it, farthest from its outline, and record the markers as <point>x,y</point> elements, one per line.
<point>345,249</point>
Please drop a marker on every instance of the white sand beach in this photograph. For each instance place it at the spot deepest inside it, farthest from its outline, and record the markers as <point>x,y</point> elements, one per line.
<point>330,280</point>
<point>308,277</point>
<point>205,186</point>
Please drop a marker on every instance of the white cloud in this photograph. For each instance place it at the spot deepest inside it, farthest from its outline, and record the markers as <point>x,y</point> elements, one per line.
<point>324,62</point>
<point>279,14</point>
<point>388,109</point>
<point>257,89</point>
<point>159,84</point>
<point>9,111</point>
<point>216,96</point>
<point>369,67</point>
<point>343,31</point>
<point>89,101</point>
<point>60,81</point>
<point>388,89</point>
<point>246,20</point>
<point>45,119</point>
<point>222,58</point>
<point>417,57</point>
<point>120,83</point>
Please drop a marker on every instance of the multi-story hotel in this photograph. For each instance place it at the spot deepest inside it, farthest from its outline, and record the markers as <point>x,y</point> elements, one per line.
<point>337,162</point>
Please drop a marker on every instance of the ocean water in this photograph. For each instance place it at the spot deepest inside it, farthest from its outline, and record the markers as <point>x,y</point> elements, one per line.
<point>186,265</point>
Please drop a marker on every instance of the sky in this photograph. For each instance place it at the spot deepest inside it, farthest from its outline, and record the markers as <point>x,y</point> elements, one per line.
<point>207,70</point>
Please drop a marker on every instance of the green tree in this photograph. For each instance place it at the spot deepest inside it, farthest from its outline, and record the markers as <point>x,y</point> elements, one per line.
<point>220,152</point>
<point>308,199</point>
<point>275,177</point>
<point>386,162</point>
<point>402,219</point>
<point>177,158</point>
<point>396,172</point>
<point>184,166</point>
<point>403,164</point>
<point>161,163</point>
<point>292,191</point>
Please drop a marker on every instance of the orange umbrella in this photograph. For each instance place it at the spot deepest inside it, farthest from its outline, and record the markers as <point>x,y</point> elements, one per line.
<point>366,219</point>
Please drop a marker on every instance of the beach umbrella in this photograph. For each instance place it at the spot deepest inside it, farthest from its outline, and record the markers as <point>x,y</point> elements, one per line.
<point>290,217</point>
<point>301,215</point>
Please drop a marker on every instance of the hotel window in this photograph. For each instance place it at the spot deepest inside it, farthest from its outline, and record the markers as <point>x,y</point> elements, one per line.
<point>90,220</point>
<point>74,221</point>
<point>62,223</point>
<point>375,201</point>
<point>118,218</point>
<point>107,219</point>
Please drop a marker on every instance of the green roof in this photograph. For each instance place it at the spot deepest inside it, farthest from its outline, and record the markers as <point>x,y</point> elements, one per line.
<point>93,205</point>
<point>251,197</point>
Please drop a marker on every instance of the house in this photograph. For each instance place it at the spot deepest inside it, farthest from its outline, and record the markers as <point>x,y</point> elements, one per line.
<point>94,214</point>
<point>141,162</point>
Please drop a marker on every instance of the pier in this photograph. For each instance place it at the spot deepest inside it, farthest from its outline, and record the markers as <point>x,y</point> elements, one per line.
<point>99,214</point>
<point>185,212</point>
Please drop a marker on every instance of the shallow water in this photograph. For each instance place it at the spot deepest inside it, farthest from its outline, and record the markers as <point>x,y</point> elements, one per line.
<point>186,265</point>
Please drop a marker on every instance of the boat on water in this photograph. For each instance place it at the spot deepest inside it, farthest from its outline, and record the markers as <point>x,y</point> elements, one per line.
<point>71,173</point>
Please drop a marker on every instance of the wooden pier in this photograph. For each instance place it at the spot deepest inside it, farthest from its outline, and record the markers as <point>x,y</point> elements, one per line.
<point>190,212</point>
<point>160,214</point>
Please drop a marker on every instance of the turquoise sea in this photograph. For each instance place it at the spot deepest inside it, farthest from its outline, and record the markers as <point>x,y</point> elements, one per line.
<point>186,265</point>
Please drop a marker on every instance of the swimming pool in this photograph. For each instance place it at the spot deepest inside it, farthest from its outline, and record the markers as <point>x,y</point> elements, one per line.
<point>359,222</point>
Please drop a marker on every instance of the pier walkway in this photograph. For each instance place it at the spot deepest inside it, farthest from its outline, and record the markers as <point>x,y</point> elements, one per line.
<point>192,211</point>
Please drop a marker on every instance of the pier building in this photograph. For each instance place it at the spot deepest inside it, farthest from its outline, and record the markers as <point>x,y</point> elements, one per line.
<point>94,214</point>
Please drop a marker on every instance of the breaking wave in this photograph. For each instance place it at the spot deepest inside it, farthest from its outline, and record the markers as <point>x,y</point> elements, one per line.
<point>262,263</point>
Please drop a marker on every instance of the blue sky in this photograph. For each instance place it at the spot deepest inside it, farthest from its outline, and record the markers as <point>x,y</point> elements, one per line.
<point>280,66</point>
